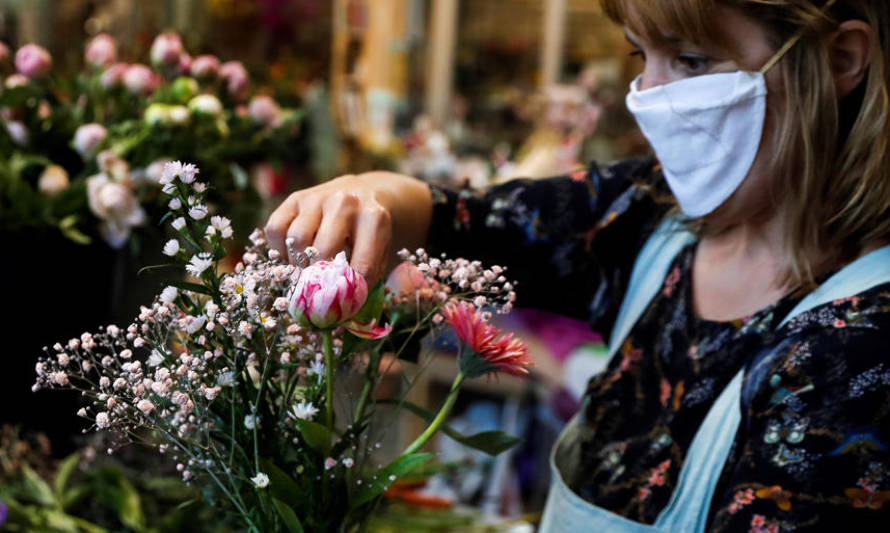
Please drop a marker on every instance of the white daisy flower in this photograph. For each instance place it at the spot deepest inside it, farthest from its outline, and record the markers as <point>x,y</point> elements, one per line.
<point>199,263</point>
<point>303,411</point>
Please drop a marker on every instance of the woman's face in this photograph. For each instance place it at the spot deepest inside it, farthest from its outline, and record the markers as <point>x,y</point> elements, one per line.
<point>671,60</point>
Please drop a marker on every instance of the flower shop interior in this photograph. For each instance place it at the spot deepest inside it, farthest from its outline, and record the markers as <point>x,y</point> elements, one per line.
<point>197,384</point>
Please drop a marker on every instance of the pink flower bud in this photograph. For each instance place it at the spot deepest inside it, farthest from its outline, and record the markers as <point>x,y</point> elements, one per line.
<point>102,51</point>
<point>87,138</point>
<point>205,66</point>
<point>113,75</point>
<point>33,61</point>
<point>53,180</point>
<point>235,77</point>
<point>166,50</point>
<point>265,111</point>
<point>139,79</point>
<point>328,293</point>
<point>185,64</point>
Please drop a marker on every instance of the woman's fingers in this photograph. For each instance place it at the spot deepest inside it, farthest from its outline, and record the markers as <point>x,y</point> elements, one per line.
<point>373,234</point>
<point>280,221</point>
<point>339,214</point>
<point>304,228</point>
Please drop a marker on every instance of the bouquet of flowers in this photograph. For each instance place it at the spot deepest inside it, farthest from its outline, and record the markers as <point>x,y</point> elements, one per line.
<point>83,152</point>
<point>235,376</point>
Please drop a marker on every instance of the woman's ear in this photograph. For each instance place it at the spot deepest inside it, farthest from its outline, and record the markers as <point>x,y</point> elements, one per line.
<point>851,51</point>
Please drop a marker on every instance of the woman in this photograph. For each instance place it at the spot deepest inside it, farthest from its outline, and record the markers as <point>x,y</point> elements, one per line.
<point>748,389</point>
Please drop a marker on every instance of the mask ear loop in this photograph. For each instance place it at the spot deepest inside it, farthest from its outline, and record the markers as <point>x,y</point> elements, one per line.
<point>791,42</point>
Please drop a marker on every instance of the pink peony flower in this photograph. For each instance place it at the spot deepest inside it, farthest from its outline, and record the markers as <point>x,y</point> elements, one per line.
<point>264,110</point>
<point>328,293</point>
<point>33,61</point>
<point>87,138</point>
<point>113,76</point>
<point>166,50</point>
<point>235,77</point>
<point>101,51</point>
<point>205,66</point>
<point>139,79</point>
<point>496,351</point>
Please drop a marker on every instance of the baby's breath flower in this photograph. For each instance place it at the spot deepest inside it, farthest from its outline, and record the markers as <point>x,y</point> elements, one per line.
<point>260,480</point>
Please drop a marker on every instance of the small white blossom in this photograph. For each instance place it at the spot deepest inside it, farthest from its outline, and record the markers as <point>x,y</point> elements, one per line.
<point>102,420</point>
<point>304,411</point>
<point>172,169</point>
<point>178,224</point>
<point>317,368</point>
<point>250,421</point>
<point>260,480</point>
<point>155,358</point>
<point>174,204</point>
<point>168,294</point>
<point>198,212</point>
<point>199,263</point>
<point>187,173</point>
<point>145,406</point>
<point>223,225</point>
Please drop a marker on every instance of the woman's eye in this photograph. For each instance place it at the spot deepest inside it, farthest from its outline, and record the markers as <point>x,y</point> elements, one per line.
<point>692,63</point>
<point>638,53</point>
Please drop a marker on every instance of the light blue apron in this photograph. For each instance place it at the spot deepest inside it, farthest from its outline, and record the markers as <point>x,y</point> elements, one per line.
<point>687,510</point>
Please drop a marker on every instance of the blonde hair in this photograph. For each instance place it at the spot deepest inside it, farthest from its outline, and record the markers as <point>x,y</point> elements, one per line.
<point>831,173</point>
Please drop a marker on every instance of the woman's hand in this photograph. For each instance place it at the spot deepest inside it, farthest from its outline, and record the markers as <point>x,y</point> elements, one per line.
<point>373,213</point>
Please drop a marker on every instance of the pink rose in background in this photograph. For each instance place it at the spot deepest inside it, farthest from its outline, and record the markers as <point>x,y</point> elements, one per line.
<point>166,50</point>
<point>264,110</point>
<point>113,76</point>
<point>101,51</point>
<point>33,61</point>
<point>205,66</point>
<point>235,77</point>
<point>87,138</point>
<point>328,293</point>
<point>268,180</point>
<point>139,79</point>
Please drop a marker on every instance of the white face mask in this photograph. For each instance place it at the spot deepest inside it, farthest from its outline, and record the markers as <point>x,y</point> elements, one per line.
<point>706,132</point>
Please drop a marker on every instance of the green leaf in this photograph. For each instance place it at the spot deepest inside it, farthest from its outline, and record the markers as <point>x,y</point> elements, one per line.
<point>188,286</point>
<point>37,489</point>
<point>281,485</point>
<point>373,307</point>
<point>490,442</point>
<point>288,516</point>
<point>317,436</point>
<point>373,487</point>
<point>65,470</point>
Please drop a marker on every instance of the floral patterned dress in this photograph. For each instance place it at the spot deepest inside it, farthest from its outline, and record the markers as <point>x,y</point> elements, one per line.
<point>811,452</point>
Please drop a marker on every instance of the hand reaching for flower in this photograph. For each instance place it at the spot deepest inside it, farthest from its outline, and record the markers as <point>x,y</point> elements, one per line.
<point>373,214</point>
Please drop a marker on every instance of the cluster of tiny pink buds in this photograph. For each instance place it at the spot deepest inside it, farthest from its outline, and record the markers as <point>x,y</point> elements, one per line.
<point>462,279</point>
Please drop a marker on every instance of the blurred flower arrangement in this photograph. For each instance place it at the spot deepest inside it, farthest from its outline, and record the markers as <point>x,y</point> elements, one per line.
<point>235,376</point>
<point>84,152</point>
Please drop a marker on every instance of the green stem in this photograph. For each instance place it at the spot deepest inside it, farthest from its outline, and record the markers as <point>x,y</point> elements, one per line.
<point>440,417</point>
<point>328,344</point>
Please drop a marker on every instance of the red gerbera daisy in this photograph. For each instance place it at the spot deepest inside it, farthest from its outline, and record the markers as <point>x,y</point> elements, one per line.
<point>492,349</point>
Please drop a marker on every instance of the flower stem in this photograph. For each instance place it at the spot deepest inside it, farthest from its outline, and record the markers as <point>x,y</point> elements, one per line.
<point>327,342</point>
<point>440,417</point>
